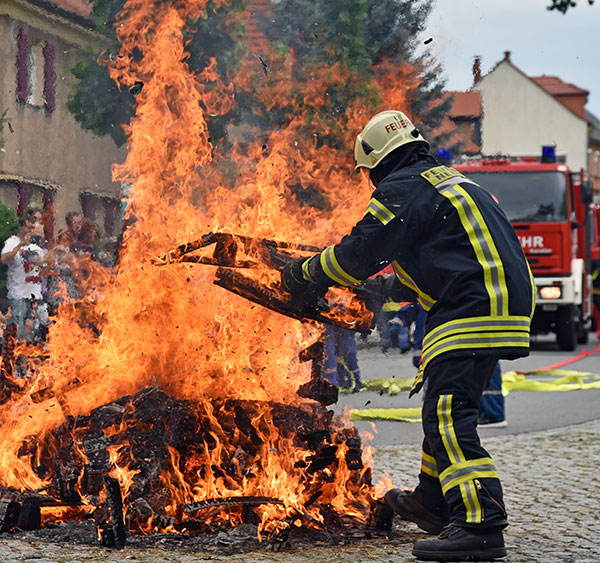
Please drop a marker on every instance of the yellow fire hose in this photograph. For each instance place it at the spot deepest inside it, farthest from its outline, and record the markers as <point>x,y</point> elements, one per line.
<point>546,380</point>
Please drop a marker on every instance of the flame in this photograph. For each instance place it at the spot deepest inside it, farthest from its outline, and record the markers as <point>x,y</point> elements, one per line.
<point>144,325</point>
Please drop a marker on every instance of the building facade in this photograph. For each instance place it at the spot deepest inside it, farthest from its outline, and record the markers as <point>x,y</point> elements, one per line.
<point>520,115</point>
<point>46,159</point>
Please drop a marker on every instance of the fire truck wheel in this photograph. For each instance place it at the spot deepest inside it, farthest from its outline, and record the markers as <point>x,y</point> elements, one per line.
<point>566,328</point>
<point>583,330</point>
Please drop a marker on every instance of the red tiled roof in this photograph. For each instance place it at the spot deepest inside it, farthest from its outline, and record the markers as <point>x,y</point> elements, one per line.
<point>466,107</point>
<point>556,87</point>
<point>465,104</point>
<point>79,7</point>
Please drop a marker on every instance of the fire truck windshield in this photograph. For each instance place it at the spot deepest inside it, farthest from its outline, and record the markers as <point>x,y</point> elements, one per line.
<point>527,196</point>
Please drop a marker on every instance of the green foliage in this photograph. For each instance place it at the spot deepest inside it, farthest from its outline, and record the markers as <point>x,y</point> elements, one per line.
<point>393,28</point>
<point>363,36</point>
<point>9,226</point>
<point>96,101</point>
<point>338,28</point>
<point>343,44</point>
<point>9,222</point>
<point>563,5</point>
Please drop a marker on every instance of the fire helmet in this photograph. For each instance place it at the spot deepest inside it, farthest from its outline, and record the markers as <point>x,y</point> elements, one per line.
<point>384,133</point>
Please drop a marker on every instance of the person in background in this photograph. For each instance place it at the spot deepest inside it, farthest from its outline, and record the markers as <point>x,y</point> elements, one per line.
<point>40,323</point>
<point>596,293</point>
<point>492,409</point>
<point>24,259</point>
<point>88,239</point>
<point>341,363</point>
<point>61,284</point>
<point>70,235</point>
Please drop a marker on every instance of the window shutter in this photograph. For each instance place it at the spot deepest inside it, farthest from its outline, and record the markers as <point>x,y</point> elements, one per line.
<point>23,48</point>
<point>88,206</point>
<point>49,75</point>
<point>24,197</point>
<point>111,208</point>
<point>48,215</point>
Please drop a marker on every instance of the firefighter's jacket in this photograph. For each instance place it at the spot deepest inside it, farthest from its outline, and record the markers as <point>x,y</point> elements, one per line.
<point>596,278</point>
<point>450,243</point>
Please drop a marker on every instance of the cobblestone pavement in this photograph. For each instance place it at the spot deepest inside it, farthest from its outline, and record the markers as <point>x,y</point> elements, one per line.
<point>551,490</point>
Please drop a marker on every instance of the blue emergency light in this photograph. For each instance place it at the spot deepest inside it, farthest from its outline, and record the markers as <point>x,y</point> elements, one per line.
<point>444,155</point>
<point>548,153</point>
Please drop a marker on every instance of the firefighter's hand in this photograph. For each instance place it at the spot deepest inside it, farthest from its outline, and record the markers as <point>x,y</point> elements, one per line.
<point>306,294</point>
<point>291,277</point>
<point>373,293</point>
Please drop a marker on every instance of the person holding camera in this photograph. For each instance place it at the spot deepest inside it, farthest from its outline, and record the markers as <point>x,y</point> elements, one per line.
<point>24,284</point>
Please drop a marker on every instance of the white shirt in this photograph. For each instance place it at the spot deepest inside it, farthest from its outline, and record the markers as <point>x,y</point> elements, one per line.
<point>23,280</point>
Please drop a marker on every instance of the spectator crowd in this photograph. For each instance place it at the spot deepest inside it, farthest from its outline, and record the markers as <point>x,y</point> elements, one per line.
<point>42,275</point>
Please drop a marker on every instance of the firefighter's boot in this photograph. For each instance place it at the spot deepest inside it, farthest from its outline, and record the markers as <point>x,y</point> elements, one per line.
<point>408,507</point>
<point>462,544</point>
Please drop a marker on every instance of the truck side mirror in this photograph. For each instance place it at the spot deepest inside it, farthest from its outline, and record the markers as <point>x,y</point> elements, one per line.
<point>587,192</point>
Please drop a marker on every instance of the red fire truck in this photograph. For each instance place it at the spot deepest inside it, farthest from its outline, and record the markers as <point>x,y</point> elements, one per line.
<point>550,208</point>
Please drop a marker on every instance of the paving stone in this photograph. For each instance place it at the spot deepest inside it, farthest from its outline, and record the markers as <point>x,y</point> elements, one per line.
<point>551,486</point>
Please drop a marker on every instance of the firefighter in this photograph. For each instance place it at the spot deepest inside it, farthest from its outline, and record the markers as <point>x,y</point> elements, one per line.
<point>596,293</point>
<point>454,251</point>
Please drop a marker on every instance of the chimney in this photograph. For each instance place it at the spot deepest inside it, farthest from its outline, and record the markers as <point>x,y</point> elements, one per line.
<point>476,69</point>
<point>507,56</point>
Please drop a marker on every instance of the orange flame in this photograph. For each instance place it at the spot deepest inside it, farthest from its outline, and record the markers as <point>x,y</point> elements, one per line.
<point>170,326</point>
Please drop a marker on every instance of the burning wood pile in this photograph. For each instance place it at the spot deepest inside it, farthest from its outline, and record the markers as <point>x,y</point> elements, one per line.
<point>163,445</point>
<point>149,462</point>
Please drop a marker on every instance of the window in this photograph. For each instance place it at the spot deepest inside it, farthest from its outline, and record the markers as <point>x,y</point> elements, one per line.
<point>35,69</point>
<point>36,76</point>
<point>527,196</point>
<point>101,210</point>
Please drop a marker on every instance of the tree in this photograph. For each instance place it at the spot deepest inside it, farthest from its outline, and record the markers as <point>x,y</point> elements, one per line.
<point>393,32</point>
<point>215,35</point>
<point>377,42</point>
<point>563,5</point>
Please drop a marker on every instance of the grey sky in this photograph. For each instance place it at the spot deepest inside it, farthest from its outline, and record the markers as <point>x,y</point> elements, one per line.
<point>541,42</point>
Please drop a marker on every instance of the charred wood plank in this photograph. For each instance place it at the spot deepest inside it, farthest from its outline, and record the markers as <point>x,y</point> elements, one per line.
<point>31,516</point>
<point>277,300</point>
<point>92,481</point>
<point>113,533</point>
<point>45,501</point>
<point>95,450</point>
<point>319,390</point>
<point>9,514</point>
<point>229,502</point>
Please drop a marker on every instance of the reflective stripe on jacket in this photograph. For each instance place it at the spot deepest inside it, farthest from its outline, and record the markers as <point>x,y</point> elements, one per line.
<point>453,248</point>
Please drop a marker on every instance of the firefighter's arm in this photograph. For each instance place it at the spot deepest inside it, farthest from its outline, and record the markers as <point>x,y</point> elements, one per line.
<point>370,247</point>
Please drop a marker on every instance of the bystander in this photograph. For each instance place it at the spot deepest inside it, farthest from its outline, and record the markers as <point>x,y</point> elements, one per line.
<point>24,259</point>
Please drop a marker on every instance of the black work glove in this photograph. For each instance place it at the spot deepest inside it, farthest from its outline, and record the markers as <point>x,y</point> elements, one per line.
<point>306,295</point>
<point>377,290</point>
<point>373,292</point>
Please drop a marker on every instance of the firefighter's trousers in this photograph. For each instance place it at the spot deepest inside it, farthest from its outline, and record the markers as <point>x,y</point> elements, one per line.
<point>458,478</point>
